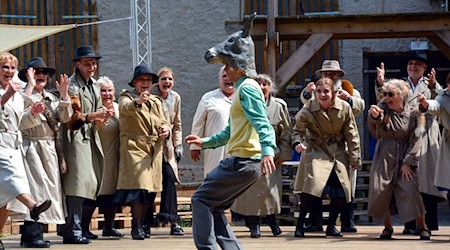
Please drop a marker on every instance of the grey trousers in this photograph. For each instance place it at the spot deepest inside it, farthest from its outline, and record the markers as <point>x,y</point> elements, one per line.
<point>217,193</point>
<point>72,229</point>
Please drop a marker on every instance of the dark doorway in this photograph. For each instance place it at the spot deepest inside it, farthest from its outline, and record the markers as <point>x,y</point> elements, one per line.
<point>395,66</point>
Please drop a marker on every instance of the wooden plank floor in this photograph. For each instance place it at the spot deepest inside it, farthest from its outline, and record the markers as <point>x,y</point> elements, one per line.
<point>366,238</point>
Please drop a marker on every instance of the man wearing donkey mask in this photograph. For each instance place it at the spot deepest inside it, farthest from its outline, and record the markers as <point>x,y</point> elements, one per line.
<point>250,142</point>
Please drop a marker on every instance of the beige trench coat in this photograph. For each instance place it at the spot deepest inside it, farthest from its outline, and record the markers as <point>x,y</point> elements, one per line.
<point>109,136</point>
<point>264,197</point>
<point>141,149</point>
<point>41,160</point>
<point>172,112</point>
<point>431,140</point>
<point>13,178</point>
<point>398,143</point>
<point>441,108</point>
<point>325,134</point>
<point>82,148</point>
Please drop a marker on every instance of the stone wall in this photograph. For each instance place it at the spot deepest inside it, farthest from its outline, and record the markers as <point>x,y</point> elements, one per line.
<point>182,31</point>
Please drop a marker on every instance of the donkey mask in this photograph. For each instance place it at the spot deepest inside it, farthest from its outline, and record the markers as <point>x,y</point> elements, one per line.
<point>237,49</point>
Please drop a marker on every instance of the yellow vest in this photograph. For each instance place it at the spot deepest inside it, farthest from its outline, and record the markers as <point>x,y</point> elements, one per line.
<point>244,141</point>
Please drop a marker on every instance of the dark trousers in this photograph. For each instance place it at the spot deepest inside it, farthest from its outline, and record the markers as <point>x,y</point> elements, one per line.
<point>72,228</point>
<point>168,208</point>
<point>32,231</point>
<point>316,219</point>
<point>217,193</point>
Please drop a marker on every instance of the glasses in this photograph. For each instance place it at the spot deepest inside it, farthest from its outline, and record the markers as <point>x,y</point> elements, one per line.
<point>390,94</point>
<point>40,71</point>
<point>166,79</point>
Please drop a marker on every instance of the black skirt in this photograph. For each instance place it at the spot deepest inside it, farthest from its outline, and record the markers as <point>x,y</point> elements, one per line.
<point>126,197</point>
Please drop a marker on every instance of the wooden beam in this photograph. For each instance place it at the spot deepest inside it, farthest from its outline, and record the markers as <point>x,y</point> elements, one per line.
<point>272,38</point>
<point>352,26</point>
<point>442,42</point>
<point>300,57</point>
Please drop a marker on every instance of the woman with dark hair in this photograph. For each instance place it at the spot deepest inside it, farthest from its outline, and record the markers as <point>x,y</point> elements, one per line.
<point>326,133</point>
<point>143,130</point>
<point>44,159</point>
<point>393,174</point>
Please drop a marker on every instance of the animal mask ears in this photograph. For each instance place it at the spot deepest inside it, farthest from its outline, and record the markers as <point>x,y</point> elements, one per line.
<point>248,25</point>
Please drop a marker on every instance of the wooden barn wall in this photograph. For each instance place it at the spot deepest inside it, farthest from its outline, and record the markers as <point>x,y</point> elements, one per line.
<point>58,50</point>
<point>293,8</point>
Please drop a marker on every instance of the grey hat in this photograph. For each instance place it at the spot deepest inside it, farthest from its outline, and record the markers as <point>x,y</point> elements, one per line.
<point>331,65</point>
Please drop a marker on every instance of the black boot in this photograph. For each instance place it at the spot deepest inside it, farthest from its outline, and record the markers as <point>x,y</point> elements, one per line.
<point>33,235</point>
<point>332,231</point>
<point>299,231</point>
<point>254,226</point>
<point>273,225</point>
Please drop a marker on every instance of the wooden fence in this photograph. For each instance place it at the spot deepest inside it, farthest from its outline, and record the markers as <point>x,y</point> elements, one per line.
<point>57,50</point>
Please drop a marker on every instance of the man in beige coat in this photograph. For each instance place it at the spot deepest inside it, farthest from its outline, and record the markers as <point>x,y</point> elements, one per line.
<point>82,147</point>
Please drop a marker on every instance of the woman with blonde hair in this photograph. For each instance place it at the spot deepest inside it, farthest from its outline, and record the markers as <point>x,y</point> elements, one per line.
<point>394,168</point>
<point>173,148</point>
<point>14,183</point>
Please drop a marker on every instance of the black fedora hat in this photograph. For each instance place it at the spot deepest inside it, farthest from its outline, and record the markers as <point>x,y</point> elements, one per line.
<point>35,63</point>
<point>85,51</point>
<point>143,69</point>
<point>421,56</point>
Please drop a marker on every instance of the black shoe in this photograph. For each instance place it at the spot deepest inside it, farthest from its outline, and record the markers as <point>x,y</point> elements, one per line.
<point>76,240</point>
<point>311,229</point>
<point>137,234</point>
<point>112,233</point>
<point>348,229</point>
<point>176,229</point>
<point>276,230</point>
<point>332,231</point>
<point>255,231</point>
<point>427,236</point>
<point>299,231</point>
<point>408,231</point>
<point>89,235</point>
<point>35,244</point>
<point>38,209</point>
<point>146,229</point>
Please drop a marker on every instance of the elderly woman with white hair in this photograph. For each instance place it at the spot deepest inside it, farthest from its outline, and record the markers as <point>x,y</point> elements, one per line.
<point>108,130</point>
<point>394,169</point>
<point>264,197</point>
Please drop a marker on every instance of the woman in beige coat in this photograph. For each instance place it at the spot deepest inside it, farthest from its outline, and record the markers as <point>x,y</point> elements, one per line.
<point>143,129</point>
<point>264,197</point>
<point>323,128</point>
<point>394,168</point>
<point>173,149</point>
<point>42,147</point>
<point>108,130</point>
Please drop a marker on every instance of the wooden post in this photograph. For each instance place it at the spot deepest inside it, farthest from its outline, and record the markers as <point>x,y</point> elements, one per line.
<point>272,38</point>
<point>51,55</point>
